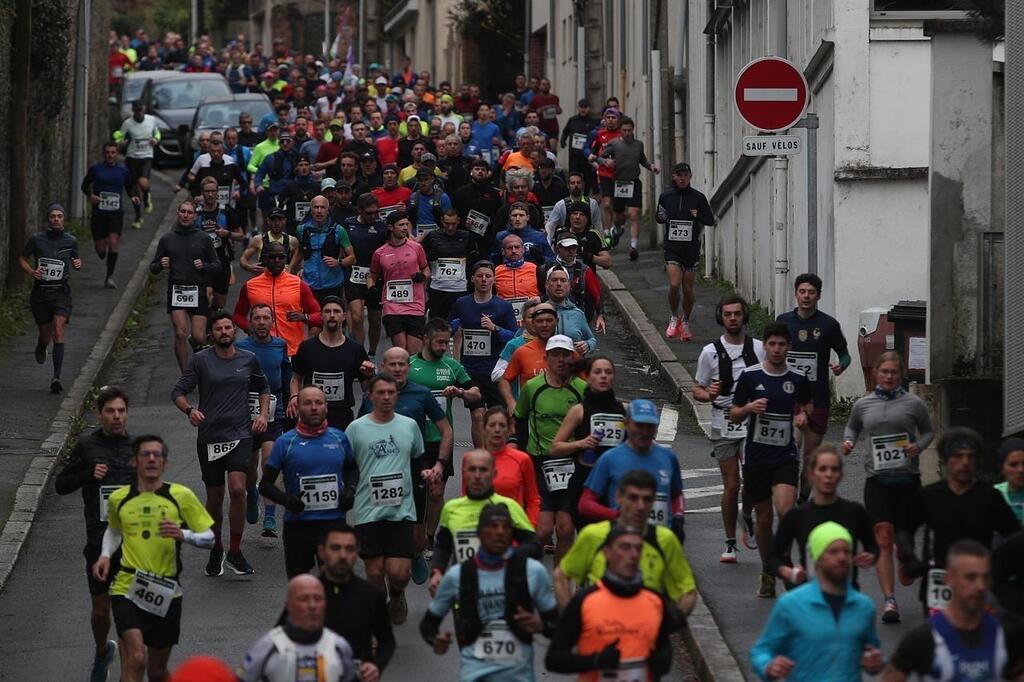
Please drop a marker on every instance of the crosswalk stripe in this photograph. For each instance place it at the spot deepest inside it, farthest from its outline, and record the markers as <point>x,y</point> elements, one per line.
<point>698,473</point>
<point>668,426</point>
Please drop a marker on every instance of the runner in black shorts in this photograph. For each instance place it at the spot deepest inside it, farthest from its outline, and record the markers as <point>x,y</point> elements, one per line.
<point>189,256</point>
<point>222,226</point>
<point>224,375</point>
<point>684,212</point>
<point>401,271</point>
<point>105,185</point>
<point>100,463</point>
<point>774,401</point>
<point>55,253</point>
<point>367,233</point>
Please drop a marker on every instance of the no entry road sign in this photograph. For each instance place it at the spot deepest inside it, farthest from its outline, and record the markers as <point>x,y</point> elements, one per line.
<point>771,94</point>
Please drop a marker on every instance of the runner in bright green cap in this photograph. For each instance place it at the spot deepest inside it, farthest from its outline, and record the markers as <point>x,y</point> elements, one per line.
<point>824,535</point>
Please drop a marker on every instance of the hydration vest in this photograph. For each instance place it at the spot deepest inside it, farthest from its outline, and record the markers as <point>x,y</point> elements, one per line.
<point>725,378</point>
<point>468,625</point>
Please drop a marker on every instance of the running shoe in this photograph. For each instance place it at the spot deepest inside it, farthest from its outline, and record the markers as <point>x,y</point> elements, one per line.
<point>56,386</point>
<point>749,538</point>
<point>905,579</point>
<point>615,234</point>
<point>673,327</point>
<point>420,570</point>
<point>729,555</point>
<point>633,253</point>
<point>269,527</point>
<point>684,330</point>
<point>215,566</point>
<point>149,202</point>
<point>891,612</point>
<point>398,609</point>
<point>237,563</point>
<point>101,666</point>
<point>40,353</point>
<point>109,283</point>
<point>137,224</point>
<point>252,506</point>
<point>767,588</point>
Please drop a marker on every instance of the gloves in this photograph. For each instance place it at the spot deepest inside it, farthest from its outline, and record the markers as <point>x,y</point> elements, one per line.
<point>348,498</point>
<point>679,528</point>
<point>608,657</point>
<point>295,505</point>
<point>418,278</point>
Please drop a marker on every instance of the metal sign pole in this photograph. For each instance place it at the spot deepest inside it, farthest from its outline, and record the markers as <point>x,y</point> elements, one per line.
<point>810,122</point>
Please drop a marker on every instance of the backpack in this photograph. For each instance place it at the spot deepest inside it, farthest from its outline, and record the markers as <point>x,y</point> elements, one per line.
<point>725,378</point>
<point>331,246</point>
<point>468,625</point>
<point>435,206</point>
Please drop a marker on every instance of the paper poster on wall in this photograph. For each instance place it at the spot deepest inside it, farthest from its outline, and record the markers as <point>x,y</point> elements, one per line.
<point>918,358</point>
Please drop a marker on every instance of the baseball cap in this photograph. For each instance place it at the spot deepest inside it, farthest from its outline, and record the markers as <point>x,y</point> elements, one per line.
<point>278,213</point>
<point>273,124</point>
<point>681,167</point>
<point>380,79</point>
<point>343,184</point>
<point>328,183</point>
<point>566,239</point>
<point>583,102</point>
<point>337,76</point>
<point>643,411</point>
<point>411,117</point>
<point>560,341</point>
<point>491,513</point>
<point>427,156</point>
<point>368,156</point>
<point>336,123</point>
<point>544,308</point>
<point>285,134</point>
<point>424,173</point>
<point>613,111</point>
<point>447,98</point>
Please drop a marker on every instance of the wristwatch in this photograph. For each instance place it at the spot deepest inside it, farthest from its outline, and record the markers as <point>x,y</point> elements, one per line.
<point>188,412</point>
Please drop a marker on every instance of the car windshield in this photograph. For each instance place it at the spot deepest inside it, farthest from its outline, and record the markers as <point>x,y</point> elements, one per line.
<point>224,114</point>
<point>133,88</point>
<point>186,94</point>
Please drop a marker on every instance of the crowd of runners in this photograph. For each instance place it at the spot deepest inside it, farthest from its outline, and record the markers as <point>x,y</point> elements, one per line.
<point>373,204</point>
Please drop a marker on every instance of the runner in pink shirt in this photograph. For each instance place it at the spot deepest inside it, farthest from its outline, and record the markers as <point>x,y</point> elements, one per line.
<point>400,270</point>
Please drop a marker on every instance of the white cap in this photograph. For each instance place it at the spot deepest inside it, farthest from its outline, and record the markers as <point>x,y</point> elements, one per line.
<point>560,341</point>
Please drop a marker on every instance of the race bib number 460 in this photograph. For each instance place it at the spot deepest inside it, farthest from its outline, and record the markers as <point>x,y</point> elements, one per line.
<point>152,593</point>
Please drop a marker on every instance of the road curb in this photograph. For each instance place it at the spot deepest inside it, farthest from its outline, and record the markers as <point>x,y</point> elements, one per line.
<point>702,638</point>
<point>30,491</point>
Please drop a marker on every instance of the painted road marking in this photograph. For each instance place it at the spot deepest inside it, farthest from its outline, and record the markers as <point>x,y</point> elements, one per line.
<point>668,426</point>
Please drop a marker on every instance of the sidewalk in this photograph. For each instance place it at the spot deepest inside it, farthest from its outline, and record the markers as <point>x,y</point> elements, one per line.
<point>640,290</point>
<point>35,422</point>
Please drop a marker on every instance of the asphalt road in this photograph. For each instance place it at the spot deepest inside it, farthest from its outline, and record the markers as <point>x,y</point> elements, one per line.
<point>44,607</point>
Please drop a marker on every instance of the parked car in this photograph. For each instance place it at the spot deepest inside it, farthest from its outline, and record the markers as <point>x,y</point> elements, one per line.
<point>174,100</point>
<point>132,87</point>
<point>220,114</point>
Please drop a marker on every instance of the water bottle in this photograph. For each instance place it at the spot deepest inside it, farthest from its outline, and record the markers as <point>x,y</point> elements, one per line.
<point>590,454</point>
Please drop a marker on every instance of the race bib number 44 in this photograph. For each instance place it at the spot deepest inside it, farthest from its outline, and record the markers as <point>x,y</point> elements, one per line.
<point>623,189</point>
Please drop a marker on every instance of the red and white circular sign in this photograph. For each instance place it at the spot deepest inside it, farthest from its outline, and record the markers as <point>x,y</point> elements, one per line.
<point>771,94</point>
